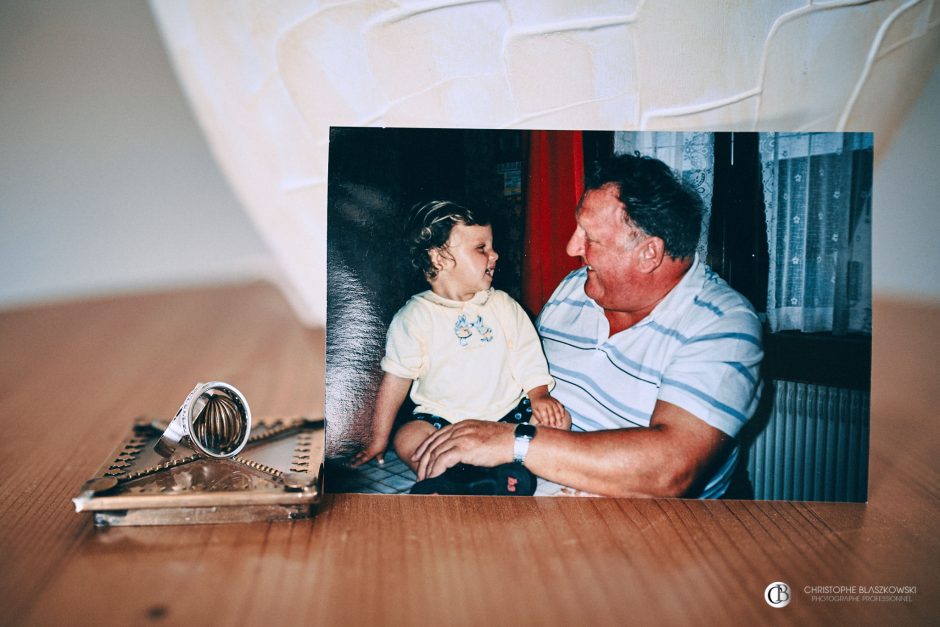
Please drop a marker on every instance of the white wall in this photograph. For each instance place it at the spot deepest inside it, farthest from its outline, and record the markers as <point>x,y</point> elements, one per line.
<point>906,209</point>
<point>106,181</point>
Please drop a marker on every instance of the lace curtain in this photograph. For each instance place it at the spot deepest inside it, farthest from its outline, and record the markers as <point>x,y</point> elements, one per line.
<point>691,155</point>
<point>817,194</point>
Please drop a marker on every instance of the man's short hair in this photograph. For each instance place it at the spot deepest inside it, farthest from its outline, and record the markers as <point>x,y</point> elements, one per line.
<point>656,200</point>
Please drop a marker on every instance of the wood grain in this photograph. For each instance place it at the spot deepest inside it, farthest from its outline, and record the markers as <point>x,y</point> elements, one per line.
<point>73,376</point>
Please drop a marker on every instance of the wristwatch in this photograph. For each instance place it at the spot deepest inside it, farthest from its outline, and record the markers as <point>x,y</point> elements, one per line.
<point>524,434</point>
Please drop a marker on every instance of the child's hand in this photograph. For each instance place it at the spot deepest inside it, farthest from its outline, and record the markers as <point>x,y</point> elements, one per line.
<point>392,392</point>
<point>376,448</point>
<point>548,412</point>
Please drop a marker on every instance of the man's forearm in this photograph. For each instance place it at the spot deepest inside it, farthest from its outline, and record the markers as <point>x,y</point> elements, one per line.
<point>623,462</point>
<point>665,459</point>
<point>673,454</point>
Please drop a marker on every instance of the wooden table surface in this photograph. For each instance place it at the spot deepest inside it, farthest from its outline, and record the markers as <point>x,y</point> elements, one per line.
<point>72,377</point>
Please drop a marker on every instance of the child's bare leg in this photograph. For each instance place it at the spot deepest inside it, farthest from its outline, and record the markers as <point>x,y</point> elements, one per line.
<point>409,437</point>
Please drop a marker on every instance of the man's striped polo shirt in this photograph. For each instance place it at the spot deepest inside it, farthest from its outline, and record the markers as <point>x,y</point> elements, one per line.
<point>699,349</point>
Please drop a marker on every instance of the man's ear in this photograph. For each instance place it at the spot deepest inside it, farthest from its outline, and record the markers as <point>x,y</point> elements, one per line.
<point>651,252</point>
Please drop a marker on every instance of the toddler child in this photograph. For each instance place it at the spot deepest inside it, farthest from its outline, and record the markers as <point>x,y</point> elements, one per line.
<point>464,350</point>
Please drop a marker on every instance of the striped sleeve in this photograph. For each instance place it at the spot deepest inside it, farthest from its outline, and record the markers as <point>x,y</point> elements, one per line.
<point>715,373</point>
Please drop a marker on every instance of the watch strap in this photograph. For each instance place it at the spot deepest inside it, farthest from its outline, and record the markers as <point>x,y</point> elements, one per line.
<point>524,434</point>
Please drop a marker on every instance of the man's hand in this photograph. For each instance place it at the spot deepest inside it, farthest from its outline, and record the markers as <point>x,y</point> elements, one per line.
<point>476,442</point>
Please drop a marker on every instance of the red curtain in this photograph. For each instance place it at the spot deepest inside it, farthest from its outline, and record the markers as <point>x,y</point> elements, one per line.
<point>554,185</point>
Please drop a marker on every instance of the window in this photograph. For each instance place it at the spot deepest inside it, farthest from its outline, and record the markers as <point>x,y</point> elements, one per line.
<point>817,197</point>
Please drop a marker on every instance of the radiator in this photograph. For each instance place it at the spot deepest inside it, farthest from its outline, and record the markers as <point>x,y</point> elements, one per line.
<point>814,446</point>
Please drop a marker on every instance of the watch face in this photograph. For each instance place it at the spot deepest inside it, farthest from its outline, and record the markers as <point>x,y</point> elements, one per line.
<point>525,431</point>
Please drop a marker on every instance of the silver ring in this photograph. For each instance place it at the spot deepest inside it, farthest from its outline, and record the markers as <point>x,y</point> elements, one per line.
<point>214,420</point>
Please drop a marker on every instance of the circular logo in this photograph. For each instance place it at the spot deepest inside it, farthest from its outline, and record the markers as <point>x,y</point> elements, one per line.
<point>777,594</point>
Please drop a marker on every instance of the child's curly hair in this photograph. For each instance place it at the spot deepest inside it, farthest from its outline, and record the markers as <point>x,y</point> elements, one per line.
<point>429,225</point>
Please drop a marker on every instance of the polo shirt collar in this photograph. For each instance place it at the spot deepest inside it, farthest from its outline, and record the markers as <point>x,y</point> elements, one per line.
<point>679,297</point>
<point>685,290</point>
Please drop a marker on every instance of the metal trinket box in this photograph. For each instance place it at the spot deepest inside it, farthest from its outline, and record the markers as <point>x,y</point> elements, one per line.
<point>278,475</point>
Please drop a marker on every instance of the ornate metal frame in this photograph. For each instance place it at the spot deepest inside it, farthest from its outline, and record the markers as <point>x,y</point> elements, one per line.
<point>271,479</point>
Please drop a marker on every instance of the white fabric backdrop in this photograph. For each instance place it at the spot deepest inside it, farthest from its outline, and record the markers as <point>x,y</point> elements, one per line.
<point>267,80</point>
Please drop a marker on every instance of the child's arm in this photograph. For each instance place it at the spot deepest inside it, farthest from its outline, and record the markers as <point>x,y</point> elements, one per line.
<point>546,410</point>
<point>528,366</point>
<point>392,393</point>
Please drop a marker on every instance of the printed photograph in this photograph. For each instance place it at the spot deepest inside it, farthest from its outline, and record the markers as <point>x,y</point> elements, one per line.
<point>599,313</point>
